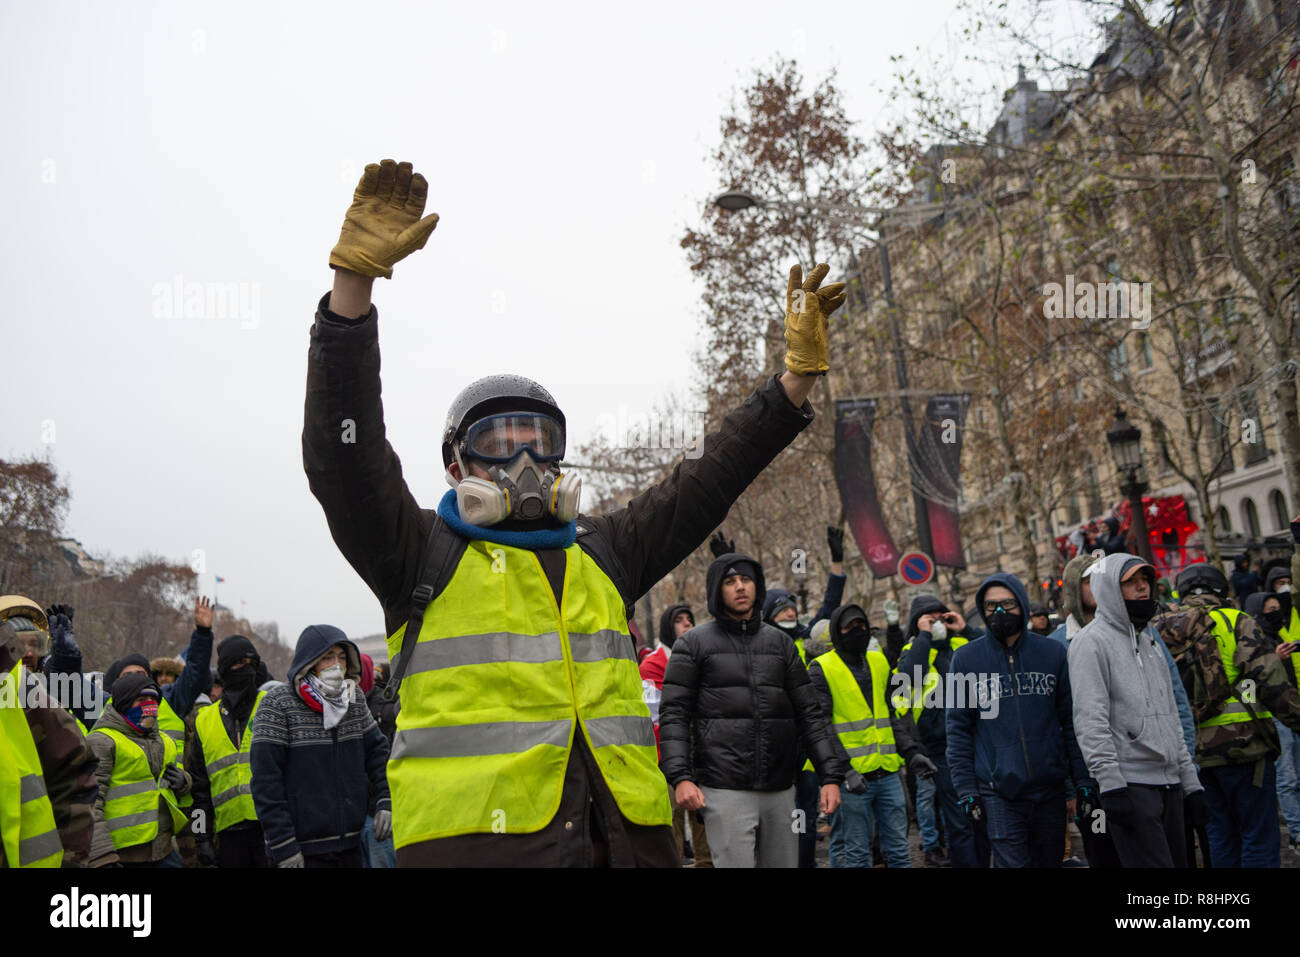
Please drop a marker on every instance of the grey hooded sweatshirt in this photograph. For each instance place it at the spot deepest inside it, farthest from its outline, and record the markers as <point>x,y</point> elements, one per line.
<point>1125,716</point>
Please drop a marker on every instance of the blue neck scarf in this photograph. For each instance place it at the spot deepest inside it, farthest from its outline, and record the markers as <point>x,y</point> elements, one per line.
<point>563,537</point>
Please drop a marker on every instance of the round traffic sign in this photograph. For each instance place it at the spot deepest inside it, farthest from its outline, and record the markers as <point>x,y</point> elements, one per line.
<point>916,568</point>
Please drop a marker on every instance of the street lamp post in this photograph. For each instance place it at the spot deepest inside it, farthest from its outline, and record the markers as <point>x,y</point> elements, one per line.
<point>1125,440</point>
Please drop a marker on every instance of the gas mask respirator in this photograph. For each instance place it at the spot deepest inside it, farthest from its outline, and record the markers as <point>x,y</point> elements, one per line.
<point>521,453</point>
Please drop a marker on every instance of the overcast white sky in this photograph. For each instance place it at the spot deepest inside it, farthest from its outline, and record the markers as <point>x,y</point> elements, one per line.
<point>566,149</point>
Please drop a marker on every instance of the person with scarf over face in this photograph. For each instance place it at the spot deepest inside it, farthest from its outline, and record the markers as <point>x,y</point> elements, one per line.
<point>1271,612</point>
<point>782,610</point>
<point>143,790</point>
<point>218,757</point>
<point>673,623</point>
<point>1126,719</point>
<point>1011,746</point>
<point>317,754</point>
<point>934,633</point>
<point>852,687</point>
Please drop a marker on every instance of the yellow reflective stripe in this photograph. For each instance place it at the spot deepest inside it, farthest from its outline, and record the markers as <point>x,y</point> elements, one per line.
<point>239,757</point>
<point>601,645</point>
<point>131,820</point>
<point>30,787</point>
<point>872,749</point>
<point>862,725</point>
<point>484,649</point>
<point>38,847</point>
<point>474,740</point>
<point>620,729</point>
<point>126,790</point>
<point>229,794</point>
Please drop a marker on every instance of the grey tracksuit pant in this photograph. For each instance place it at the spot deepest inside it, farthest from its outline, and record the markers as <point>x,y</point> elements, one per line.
<point>752,828</point>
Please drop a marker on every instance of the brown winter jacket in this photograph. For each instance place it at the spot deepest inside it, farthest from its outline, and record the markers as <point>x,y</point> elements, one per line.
<point>68,766</point>
<point>105,749</point>
<point>381,530</point>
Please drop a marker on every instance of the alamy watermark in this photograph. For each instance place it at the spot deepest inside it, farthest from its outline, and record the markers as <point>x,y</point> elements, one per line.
<point>179,299</point>
<point>682,431</point>
<point>1092,300</point>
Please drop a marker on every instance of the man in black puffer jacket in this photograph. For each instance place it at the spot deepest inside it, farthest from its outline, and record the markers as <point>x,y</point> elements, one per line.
<point>736,702</point>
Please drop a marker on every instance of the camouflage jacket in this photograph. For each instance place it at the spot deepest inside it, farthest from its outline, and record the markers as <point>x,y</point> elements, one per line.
<point>1262,682</point>
<point>68,766</point>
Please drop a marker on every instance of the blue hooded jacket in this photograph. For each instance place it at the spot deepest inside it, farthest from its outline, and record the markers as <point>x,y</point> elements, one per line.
<point>1010,725</point>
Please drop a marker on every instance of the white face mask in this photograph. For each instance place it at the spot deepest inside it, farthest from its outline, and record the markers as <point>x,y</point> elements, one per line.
<point>331,679</point>
<point>790,625</point>
<point>938,631</point>
<point>1283,589</point>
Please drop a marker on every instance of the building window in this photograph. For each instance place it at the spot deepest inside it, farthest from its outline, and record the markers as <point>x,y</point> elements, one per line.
<point>997,538</point>
<point>1118,361</point>
<point>1220,436</point>
<point>1250,518</point>
<point>1277,503</point>
<point>1147,360</point>
<point>1222,521</point>
<point>1072,516</point>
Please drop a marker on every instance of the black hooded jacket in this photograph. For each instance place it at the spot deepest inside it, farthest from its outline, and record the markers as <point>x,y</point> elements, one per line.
<point>931,727</point>
<point>738,692</point>
<point>903,728</point>
<point>668,634</point>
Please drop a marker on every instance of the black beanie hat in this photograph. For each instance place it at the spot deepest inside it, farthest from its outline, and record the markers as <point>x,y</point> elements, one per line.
<point>129,687</point>
<point>115,669</point>
<point>231,649</point>
<point>741,566</point>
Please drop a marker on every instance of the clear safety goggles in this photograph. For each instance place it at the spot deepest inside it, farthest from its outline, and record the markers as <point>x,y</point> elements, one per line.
<point>499,438</point>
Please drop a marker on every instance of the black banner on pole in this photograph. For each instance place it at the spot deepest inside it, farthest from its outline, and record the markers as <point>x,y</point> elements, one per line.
<point>936,472</point>
<point>857,485</point>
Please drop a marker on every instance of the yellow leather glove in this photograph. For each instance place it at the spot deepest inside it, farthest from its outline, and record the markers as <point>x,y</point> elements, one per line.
<point>806,311</point>
<point>383,224</point>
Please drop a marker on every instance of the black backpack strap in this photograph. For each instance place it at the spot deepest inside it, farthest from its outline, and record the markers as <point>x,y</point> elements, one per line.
<point>442,553</point>
<point>603,554</point>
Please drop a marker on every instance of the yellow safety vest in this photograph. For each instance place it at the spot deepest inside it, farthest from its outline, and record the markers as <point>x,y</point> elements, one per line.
<point>864,729</point>
<point>27,827</point>
<point>1292,631</point>
<point>928,683</point>
<point>131,801</point>
<point>1225,635</point>
<point>491,693</point>
<point>229,773</point>
<point>169,722</point>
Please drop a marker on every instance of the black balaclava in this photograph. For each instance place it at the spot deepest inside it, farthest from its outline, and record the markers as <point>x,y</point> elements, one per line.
<point>855,636</point>
<point>238,685</point>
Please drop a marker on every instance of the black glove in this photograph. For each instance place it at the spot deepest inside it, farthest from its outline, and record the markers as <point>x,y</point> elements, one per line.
<point>1196,810</point>
<point>206,853</point>
<point>835,541</point>
<point>720,546</point>
<point>64,610</point>
<point>61,638</point>
<point>1085,803</point>
<point>855,783</point>
<point>972,807</point>
<point>921,766</point>
<point>172,777</point>
<point>1118,805</point>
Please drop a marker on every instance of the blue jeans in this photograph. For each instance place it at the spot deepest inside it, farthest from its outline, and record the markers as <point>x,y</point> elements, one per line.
<point>968,844</point>
<point>854,824</point>
<point>926,813</point>
<point>807,797</point>
<point>1243,818</point>
<point>1288,779</point>
<point>1026,833</point>
<point>376,853</point>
